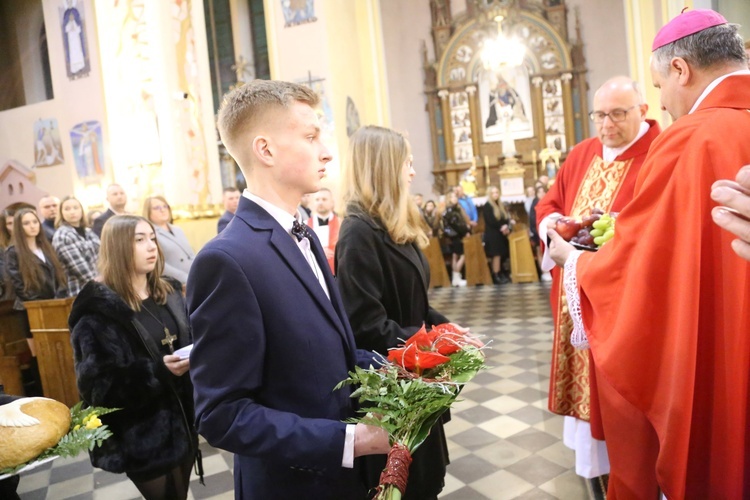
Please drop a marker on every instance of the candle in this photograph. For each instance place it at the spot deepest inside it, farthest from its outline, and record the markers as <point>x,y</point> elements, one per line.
<point>486,173</point>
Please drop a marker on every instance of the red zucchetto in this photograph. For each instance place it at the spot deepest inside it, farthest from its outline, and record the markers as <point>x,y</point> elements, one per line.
<point>686,24</point>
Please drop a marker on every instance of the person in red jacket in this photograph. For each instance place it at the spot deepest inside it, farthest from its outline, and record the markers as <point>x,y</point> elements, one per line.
<point>664,304</point>
<point>600,172</point>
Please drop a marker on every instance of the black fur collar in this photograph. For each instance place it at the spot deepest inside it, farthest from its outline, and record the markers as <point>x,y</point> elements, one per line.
<point>98,298</point>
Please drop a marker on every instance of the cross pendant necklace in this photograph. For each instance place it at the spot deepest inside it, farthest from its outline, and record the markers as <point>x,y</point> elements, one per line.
<point>168,339</point>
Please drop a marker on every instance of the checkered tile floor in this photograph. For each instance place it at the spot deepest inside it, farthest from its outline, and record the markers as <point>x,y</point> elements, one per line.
<point>503,443</point>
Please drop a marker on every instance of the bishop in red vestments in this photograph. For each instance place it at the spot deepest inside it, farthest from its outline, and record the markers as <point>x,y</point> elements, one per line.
<point>665,304</point>
<point>600,172</point>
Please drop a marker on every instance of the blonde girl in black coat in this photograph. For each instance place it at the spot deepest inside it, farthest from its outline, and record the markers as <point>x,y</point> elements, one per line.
<point>384,276</point>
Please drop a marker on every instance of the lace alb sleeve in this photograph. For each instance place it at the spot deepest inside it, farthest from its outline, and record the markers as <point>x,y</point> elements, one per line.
<point>570,283</point>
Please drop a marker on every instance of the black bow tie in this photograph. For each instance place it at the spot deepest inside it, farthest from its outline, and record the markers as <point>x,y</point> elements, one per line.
<point>299,231</point>
<point>322,222</point>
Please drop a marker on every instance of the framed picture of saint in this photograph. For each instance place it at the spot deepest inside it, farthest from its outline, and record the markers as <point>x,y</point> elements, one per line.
<point>88,151</point>
<point>74,39</point>
<point>505,104</point>
<point>47,146</point>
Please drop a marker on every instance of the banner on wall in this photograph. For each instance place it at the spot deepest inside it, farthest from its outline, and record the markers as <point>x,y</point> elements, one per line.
<point>74,39</point>
<point>88,151</point>
<point>298,12</point>
<point>47,146</point>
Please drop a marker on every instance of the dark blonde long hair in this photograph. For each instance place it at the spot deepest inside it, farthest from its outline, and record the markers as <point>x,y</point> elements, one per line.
<point>373,181</point>
<point>31,273</point>
<point>117,265</point>
<point>498,207</point>
<point>60,220</point>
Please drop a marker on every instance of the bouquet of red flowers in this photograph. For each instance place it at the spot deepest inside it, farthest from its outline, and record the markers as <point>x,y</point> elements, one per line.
<point>408,394</point>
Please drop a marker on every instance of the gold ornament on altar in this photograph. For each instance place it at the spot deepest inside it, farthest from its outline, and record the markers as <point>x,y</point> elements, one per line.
<point>469,180</point>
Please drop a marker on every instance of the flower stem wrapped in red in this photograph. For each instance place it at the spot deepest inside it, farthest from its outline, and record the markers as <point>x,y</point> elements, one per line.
<point>408,394</point>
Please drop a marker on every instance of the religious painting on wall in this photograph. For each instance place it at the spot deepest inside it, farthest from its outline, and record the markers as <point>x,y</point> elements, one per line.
<point>505,104</point>
<point>554,115</point>
<point>461,125</point>
<point>88,150</point>
<point>47,147</point>
<point>298,12</point>
<point>74,39</point>
<point>352,117</point>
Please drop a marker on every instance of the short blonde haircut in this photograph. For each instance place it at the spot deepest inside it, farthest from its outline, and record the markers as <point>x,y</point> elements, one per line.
<point>245,107</point>
<point>372,180</point>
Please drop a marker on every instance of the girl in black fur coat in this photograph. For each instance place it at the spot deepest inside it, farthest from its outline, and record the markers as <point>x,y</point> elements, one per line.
<point>124,331</point>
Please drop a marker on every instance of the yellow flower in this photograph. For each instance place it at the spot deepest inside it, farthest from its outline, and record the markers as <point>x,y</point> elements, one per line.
<point>76,427</point>
<point>93,422</point>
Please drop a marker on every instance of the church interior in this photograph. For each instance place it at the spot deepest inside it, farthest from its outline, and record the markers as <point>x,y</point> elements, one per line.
<point>489,93</point>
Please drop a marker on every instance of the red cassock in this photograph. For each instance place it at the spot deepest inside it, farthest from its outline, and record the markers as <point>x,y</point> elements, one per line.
<point>666,305</point>
<point>584,182</point>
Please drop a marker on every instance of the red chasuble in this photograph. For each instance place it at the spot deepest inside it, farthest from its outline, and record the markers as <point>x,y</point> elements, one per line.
<point>666,305</point>
<point>584,182</point>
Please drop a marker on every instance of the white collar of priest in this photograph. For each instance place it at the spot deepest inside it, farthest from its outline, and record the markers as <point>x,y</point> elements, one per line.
<point>714,84</point>
<point>609,154</point>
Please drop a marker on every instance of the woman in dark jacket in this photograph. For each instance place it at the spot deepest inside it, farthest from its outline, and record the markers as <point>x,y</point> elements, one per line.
<point>383,275</point>
<point>455,227</point>
<point>497,227</point>
<point>31,262</point>
<point>34,274</point>
<point>432,219</point>
<point>124,332</point>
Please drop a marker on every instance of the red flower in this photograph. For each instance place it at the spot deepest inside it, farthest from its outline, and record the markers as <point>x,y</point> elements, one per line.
<point>421,339</point>
<point>447,339</point>
<point>414,359</point>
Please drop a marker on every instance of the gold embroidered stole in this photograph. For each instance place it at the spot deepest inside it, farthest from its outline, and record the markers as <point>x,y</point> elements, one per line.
<point>569,388</point>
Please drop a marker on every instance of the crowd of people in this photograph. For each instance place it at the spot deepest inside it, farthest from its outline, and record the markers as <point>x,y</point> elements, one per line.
<point>662,378</point>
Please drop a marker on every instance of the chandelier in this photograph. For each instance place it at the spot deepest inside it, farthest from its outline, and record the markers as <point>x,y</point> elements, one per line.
<point>501,51</point>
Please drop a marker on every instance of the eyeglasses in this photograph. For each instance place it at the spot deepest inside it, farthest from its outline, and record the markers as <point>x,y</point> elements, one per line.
<point>616,115</point>
<point>160,208</point>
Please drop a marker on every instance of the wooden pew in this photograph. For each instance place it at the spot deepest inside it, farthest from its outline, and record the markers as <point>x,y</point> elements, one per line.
<point>49,326</point>
<point>438,273</point>
<point>14,349</point>
<point>522,263</point>
<point>477,270</point>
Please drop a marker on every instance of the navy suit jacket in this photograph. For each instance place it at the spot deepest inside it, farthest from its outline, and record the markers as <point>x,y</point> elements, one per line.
<point>269,349</point>
<point>223,221</point>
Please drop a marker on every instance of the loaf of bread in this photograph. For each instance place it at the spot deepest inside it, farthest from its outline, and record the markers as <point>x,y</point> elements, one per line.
<point>28,426</point>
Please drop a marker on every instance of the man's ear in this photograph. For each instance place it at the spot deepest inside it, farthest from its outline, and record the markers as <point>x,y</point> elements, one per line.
<point>643,108</point>
<point>262,151</point>
<point>683,70</point>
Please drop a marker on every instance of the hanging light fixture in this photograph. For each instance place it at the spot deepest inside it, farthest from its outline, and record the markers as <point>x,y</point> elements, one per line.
<point>502,51</point>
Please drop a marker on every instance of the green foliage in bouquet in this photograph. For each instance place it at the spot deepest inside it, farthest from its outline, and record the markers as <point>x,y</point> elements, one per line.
<point>409,394</point>
<point>86,431</point>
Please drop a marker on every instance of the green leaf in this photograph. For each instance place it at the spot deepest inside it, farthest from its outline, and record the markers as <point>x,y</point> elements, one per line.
<point>76,440</point>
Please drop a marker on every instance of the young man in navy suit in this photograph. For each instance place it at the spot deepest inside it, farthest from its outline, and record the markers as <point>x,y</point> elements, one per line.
<point>271,334</point>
